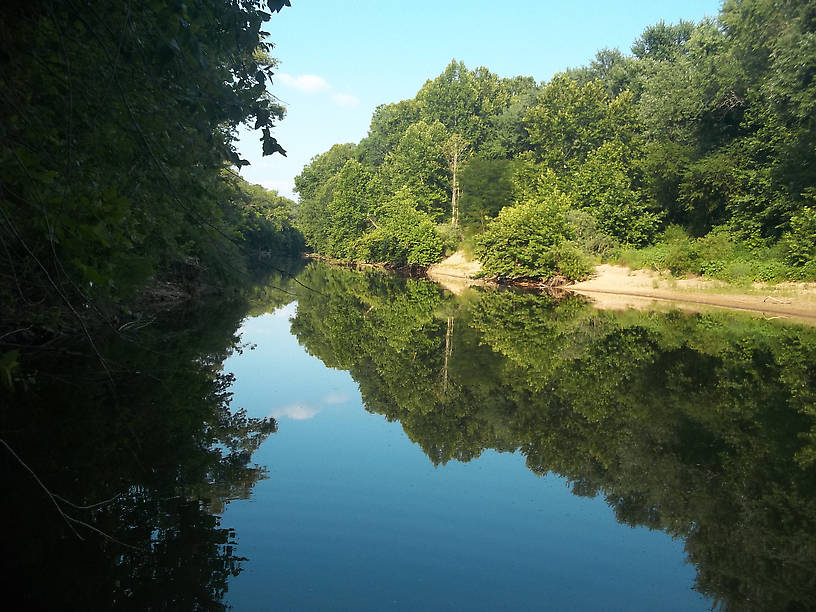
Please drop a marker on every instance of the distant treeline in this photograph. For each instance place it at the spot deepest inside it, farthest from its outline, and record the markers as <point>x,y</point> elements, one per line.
<point>117,157</point>
<point>699,145</point>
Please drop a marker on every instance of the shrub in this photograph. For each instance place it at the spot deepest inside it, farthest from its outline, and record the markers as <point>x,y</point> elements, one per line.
<point>800,241</point>
<point>718,255</point>
<point>451,236</point>
<point>675,252</point>
<point>588,236</point>
<point>571,261</point>
<point>402,236</point>
<point>522,241</point>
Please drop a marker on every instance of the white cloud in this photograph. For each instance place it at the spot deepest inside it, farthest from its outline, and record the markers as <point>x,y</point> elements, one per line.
<point>296,412</point>
<point>307,83</point>
<point>314,84</point>
<point>335,397</point>
<point>345,100</point>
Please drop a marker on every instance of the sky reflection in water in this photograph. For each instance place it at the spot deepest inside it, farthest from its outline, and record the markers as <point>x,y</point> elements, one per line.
<point>355,516</point>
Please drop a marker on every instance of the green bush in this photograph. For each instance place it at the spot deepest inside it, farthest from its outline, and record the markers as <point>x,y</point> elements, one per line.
<point>524,240</point>
<point>800,241</point>
<point>571,261</point>
<point>806,272</point>
<point>451,236</point>
<point>588,236</point>
<point>402,236</point>
<point>718,255</point>
<point>737,270</point>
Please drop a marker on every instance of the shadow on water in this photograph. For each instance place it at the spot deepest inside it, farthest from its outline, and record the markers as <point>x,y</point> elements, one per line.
<point>702,426</point>
<point>114,495</point>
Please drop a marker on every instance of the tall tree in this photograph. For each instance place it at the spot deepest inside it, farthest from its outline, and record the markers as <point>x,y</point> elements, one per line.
<point>456,151</point>
<point>388,124</point>
<point>117,121</point>
<point>418,164</point>
<point>571,120</point>
<point>462,100</point>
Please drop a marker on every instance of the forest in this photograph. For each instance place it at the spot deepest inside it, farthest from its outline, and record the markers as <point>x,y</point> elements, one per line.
<point>122,210</point>
<point>118,167</point>
<point>693,153</point>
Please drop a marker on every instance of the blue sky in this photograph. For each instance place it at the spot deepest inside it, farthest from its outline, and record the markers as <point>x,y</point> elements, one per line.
<point>339,59</point>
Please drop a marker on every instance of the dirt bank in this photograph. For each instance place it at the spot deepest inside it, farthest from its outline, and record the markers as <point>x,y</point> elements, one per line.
<point>456,273</point>
<point>618,287</point>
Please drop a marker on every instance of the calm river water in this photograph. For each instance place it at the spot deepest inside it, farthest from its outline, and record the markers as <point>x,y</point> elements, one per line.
<point>369,442</point>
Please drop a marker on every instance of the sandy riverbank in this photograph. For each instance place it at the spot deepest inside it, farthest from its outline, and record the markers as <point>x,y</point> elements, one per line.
<point>618,288</point>
<point>456,273</point>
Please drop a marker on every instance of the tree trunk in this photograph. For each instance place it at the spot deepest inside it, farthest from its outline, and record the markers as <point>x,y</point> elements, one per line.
<point>448,353</point>
<point>455,191</point>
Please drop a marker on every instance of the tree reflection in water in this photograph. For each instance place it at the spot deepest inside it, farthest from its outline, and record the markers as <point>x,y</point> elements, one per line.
<point>154,440</point>
<point>703,426</point>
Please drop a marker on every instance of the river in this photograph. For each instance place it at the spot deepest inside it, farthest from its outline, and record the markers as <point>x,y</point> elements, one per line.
<point>359,440</point>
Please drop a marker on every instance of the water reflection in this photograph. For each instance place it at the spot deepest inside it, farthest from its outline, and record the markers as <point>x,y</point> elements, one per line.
<point>702,426</point>
<point>114,478</point>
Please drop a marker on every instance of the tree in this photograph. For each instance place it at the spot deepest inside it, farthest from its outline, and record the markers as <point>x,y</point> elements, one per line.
<point>321,168</point>
<point>117,122</point>
<point>388,124</point>
<point>662,42</point>
<point>507,136</point>
<point>456,150</point>
<point>570,120</point>
<point>603,185</point>
<point>402,235</point>
<point>418,164</point>
<point>463,100</point>
<point>487,187</point>
<point>264,222</point>
<point>617,72</point>
<point>350,209</point>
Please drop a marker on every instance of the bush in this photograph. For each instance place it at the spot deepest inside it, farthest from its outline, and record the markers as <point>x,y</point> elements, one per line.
<point>524,240</point>
<point>800,241</point>
<point>571,261</point>
<point>403,236</point>
<point>588,236</point>
<point>451,236</point>
<point>718,255</point>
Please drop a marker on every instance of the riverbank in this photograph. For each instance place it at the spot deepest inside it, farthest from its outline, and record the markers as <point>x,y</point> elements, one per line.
<point>618,287</point>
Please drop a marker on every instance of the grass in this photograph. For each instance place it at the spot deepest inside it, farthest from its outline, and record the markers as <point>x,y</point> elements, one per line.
<point>715,256</point>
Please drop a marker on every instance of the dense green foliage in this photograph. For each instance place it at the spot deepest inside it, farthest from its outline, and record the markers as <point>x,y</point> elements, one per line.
<point>118,124</point>
<point>707,126</point>
<point>404,236</point>
<point>530,240</point>
<point>699,425</point>
<point>416,153</point>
